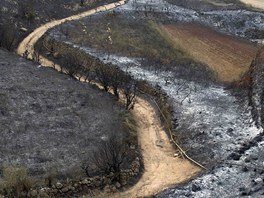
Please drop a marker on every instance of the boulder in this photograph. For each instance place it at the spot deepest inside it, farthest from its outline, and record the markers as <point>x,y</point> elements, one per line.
<point>59,185</point>
<point>196,188</point>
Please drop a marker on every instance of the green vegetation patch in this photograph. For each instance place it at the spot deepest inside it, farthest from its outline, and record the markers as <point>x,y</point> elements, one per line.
<point>123,36</point>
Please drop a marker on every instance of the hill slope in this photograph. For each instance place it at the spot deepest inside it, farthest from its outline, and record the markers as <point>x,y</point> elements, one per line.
<point>49,119</point>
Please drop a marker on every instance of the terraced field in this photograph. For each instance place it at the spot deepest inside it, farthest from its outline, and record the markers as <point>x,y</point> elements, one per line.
<point>227,56</point>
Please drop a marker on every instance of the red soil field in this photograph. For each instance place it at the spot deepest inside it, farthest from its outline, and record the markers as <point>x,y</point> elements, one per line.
<point>229,57</point>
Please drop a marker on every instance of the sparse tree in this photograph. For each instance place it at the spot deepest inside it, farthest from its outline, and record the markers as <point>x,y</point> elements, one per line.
<point>102,74</point>
<point>117,78</point>
<point>7,36</point>
<point>130,89</point>
<point>71,64</point>
<point>82,2</point>
<point>111,153</point>
<point>27,11</point>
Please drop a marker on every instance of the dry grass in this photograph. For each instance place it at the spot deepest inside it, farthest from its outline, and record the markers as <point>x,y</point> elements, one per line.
<point>16,182</point>
<point>227,56</point>
<point>130,127</point>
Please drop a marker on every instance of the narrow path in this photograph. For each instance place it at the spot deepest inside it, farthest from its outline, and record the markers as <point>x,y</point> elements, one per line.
<point>162,169</point>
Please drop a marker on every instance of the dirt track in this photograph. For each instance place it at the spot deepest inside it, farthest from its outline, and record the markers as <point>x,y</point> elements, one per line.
<point>29,42</point>
<point>162,169</point>
<point>254,3</point>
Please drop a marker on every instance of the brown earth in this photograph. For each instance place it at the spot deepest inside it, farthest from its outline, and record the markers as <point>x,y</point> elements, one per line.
<point>227,56</point>
<point>254,3</point>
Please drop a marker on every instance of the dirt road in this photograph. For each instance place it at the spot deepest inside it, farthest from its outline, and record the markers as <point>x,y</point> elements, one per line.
<point>27,45</point>
<point>254,3</point>
<point>162,169</point>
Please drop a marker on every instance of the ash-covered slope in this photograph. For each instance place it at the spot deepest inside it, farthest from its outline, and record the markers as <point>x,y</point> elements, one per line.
<point>49,120</point>
<point>241,173</point>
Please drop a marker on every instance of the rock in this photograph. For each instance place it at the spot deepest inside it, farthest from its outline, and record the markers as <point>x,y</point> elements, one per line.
<point>247,160</point>
<point>43,194</point>
<point>111,174</point>
<point>254,157</point>
<point>242,189</point>
<point>56,55</point>
<point>123,183</point>
<point>245,169</point>
<point>34,193</point>
<point>55,191</point>
<point>188,194</point>
<point>217,134</point>
<point>246,145</point>
<point>257,188</point>
<point>47,190</point>
<point>23,194</point>
<point>245,191</point>
<point>65,189</point>
<point>107,189</point>
<point>113,189</point>
<point>175,155</point>
<point>230,130</point>
<point>260,172</point>
<point>219,183</point>
<point>59,185</point>
<point>195,188</point>
<point>118,185</point>
<point>234,156</point>
<point>258,180</point>
<point>75,185</point>
<point>85,182</point>
<point>136,171</point>
<point>23,29</point>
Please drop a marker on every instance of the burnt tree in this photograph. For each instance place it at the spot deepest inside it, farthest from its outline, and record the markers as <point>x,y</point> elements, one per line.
<point>108,158</point>
<point>130,89</point>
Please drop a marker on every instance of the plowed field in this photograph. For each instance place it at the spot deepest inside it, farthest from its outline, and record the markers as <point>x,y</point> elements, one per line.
<point>227,56</point>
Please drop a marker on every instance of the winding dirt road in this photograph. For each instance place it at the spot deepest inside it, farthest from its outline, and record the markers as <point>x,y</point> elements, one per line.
<point>162,169</point>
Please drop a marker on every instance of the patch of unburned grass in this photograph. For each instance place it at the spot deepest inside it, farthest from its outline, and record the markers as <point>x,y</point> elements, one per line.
<point>126,37</point>
<point>16,182</point>
<point>130,127</point>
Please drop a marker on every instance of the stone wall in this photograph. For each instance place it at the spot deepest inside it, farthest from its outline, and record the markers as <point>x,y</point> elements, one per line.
<point>70,187</point>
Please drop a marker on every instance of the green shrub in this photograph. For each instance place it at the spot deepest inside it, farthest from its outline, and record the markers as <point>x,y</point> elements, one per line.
<point>15,182</point>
